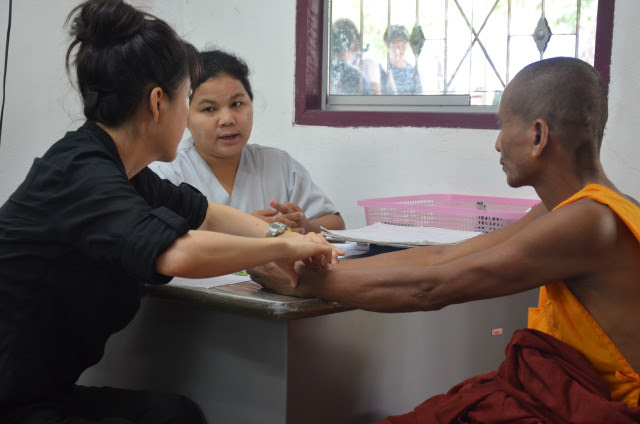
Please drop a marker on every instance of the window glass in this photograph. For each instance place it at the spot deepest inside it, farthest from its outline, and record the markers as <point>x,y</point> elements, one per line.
<point>446,52</point>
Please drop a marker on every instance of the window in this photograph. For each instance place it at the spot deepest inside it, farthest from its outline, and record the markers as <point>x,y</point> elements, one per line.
<point>459,53</point>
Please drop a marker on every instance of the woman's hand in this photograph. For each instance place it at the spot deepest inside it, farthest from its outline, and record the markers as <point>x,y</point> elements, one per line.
<point>312,249</point>
<point>292,216</point>
<point>296,220</point>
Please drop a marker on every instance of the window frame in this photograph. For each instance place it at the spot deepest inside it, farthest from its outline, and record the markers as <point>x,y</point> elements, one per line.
<point>308,79</point>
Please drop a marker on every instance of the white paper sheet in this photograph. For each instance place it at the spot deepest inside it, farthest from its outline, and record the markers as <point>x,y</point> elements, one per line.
<point>351,248</point>
<point>398,235</point>
<point>208,283</point>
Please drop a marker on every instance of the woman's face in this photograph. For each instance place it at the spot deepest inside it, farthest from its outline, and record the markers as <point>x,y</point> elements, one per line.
<point>220,117</point>
<point>397,48</point>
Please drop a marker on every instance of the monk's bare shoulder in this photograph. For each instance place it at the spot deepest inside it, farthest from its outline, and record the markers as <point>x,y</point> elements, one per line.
<point>592,222</point>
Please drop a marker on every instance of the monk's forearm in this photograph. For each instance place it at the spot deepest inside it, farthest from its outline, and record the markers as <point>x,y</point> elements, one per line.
<point>390,289</point>
<point>414,288</point>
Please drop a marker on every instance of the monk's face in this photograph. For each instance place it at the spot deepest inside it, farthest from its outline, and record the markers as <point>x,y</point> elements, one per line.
<point>513,143</point>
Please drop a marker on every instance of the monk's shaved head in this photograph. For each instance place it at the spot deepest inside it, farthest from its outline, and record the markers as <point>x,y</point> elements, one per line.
<point>566,92</point>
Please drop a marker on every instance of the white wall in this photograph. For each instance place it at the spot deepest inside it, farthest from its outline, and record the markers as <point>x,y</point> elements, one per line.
<point>620,151</point>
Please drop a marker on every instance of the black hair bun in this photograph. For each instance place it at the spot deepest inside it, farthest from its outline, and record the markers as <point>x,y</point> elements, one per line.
<point>103,23</point>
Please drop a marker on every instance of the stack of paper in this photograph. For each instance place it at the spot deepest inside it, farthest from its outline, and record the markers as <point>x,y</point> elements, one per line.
<point>208,283</point>
<point>400,236</point>
<point>351,248</point>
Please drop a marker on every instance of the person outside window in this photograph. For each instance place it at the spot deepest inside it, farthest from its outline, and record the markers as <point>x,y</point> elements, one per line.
<point>401,77</point>
<point>344,77</point>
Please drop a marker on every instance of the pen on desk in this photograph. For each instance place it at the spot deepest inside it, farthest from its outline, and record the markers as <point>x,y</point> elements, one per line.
<point>242,273</point>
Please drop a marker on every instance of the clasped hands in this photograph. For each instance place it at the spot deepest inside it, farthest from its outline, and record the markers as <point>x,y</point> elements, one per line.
<point>282,275</point>
<point>288,213</point>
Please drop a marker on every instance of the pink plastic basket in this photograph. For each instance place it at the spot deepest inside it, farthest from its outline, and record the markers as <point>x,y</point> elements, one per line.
<point>453,211</point>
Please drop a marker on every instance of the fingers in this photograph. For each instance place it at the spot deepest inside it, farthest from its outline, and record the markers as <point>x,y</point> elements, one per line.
<point>286,221</point>
<point>265,214</point>
<point>292,207</point>
<point>294,220</point>
<point>312,249</point>
<point>280,207</point>
<point>285,207</point>
<point>335,251</point>
<point>293,216</point>
<point>292,225</point>
<point>324,259</point>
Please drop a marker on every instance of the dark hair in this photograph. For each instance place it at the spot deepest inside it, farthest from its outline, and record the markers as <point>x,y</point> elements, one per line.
<point>567,92</point>
<point>122,53</point>
<point>216,62</point>
<point>395,31</point>
<point>343,34</point>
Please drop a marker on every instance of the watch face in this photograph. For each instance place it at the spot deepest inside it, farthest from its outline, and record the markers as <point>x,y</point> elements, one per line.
<point>276,228</point>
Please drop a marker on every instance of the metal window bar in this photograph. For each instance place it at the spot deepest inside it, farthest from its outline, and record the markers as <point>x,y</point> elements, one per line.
<point>416,73</point>
<point>429,100</point>
<point>388,61</point>
<point>361,55</point>
<point>446,46</point>
<point>543,17</point>
<point>578,10</point>
<point>507,77</point>
<point>476,38</point>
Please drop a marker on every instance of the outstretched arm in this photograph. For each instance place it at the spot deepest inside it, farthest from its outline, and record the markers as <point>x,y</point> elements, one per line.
<point>230,240</point>
<point>573,241</point>
<point>225,219</point>
<point>420,256</point>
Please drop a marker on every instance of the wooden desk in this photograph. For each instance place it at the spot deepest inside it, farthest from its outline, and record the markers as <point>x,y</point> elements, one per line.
<point>249,356</point>
<point>248,299</point>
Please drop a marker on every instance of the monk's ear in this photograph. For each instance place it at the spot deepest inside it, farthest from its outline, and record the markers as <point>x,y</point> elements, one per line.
<point>540,135</point>
<point>155,98</point>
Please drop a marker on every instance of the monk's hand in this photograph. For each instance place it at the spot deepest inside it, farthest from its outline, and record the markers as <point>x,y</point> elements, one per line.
<point>267,215</point>
<point>271,277</point>
<point>292,216</point>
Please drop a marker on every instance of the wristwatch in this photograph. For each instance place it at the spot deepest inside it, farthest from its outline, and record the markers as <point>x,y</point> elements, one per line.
<point>276,228</point>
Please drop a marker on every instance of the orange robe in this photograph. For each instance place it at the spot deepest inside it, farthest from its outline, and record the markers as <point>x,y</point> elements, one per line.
<point>560,313</point>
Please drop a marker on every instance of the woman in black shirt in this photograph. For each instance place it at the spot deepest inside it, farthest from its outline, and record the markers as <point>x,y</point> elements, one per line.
<point>91,224</point>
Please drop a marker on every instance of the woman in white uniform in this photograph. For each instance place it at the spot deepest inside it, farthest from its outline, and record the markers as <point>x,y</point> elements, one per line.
<point>216,159</point>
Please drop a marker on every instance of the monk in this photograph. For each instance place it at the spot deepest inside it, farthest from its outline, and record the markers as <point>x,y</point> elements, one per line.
<point>580,245</point>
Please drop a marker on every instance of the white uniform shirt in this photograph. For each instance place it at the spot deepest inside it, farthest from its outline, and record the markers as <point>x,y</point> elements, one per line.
<point>264,174</point>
